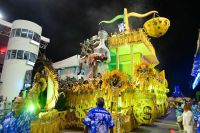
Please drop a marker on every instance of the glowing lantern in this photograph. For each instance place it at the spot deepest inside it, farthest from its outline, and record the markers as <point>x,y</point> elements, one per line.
<point>157,26</point>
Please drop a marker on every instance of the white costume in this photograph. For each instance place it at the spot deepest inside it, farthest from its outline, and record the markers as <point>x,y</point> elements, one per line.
<point>187,121</point>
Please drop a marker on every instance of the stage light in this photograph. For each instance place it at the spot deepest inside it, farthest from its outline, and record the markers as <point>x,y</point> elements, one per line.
<point>31,108</point>
<point>1,15</point>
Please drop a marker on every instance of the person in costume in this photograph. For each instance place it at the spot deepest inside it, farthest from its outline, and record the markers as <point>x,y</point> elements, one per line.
<point>179,112</point>
<point>18,120</point>
<point>198,124</point>
<point>188,119</point>
<point>195,112</point>
<point>98,120</point>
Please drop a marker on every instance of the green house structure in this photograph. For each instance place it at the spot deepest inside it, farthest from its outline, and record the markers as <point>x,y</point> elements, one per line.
<point>129,49</point>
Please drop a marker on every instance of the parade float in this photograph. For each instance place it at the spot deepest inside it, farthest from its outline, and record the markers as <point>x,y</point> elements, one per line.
<point>121,69</point>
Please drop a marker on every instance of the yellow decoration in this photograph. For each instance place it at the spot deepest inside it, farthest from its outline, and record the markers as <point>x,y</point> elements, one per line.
<point>126,15</point>
<point>40,85</point>
<point>123,39</point>
<point>53,77</point>
<point>156,27</point>
<point>144,108</point>
<point>134,14</point>
<point>129,103</point>
<point>44,83</point>
<point>48,122</point>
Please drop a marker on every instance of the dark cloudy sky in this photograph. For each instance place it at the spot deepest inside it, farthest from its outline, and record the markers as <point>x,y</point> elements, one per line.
<point>69,22</point>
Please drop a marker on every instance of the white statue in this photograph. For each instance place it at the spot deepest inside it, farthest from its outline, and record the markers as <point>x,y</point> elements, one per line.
<point>96,62</point>
<point>103,51</point>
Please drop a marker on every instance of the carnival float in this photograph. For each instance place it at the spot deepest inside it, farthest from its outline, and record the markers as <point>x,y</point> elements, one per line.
<point>119,67</point>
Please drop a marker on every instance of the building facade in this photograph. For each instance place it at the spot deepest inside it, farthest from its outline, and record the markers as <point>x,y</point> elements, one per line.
<point>22,52</point>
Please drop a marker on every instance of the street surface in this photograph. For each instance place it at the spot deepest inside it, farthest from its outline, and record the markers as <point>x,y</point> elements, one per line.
<point>162,125</point>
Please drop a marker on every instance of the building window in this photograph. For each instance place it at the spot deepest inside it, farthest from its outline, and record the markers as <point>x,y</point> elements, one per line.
<point>20,54</point>
<point>32,57</point>
<point>24,33</point>
<point>13,54</point>
<point>13,33</point>
<point>36,37</point>
<point>30,34</point>
<point>26,55</point>
<point>18,32</point>
<point>8,54</point>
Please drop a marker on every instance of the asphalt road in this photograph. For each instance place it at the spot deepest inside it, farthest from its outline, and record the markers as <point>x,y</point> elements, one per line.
<point>157,127</point>
<point>162,125</point>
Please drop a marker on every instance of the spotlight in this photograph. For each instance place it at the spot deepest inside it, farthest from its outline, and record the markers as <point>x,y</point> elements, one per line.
<point>1,15</point>
<point>31,107</point>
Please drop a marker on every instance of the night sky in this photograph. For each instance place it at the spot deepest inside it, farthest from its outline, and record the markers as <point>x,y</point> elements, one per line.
<point>68,22</point>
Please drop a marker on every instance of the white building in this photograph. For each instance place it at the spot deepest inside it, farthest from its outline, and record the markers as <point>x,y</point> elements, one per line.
<point>68,67</point>
<point>22,51</point>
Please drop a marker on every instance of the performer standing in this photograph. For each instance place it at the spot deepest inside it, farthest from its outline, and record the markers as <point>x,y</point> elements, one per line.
<point>98,120</point>
<point>187,119</point>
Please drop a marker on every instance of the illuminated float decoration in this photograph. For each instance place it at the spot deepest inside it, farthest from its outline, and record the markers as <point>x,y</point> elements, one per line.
<point>44,91</point>
<point>157,26</point>
<point>196,69</point>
